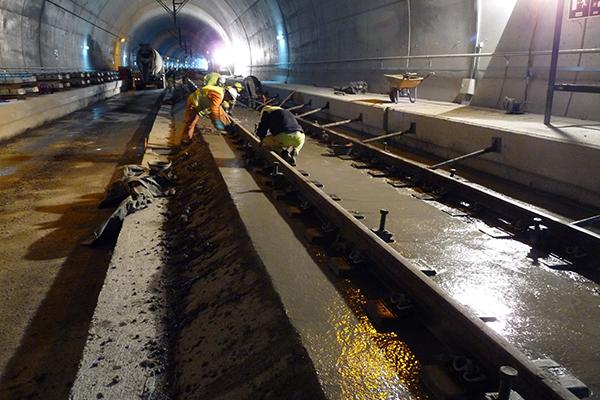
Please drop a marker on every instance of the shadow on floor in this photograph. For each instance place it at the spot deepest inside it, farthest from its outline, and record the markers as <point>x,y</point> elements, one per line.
<point>46,363</point>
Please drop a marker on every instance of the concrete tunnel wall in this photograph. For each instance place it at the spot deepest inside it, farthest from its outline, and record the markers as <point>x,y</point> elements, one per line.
<point>326,42</point>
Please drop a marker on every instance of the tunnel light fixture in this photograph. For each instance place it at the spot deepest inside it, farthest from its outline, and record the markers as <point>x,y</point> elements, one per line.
<point>280,37</point>
<point>86,47</point>
<point>122,40</point>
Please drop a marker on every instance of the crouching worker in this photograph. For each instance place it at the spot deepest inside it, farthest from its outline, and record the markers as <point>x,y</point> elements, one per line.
<point>285,131</point>
<point>206,101</point>
<point>228,106</point>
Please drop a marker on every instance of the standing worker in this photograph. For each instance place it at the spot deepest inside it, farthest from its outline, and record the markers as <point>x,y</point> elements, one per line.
<point>253,88</point>
<point>206,101</point>
<point>170,77</point>
<point>285,132</point>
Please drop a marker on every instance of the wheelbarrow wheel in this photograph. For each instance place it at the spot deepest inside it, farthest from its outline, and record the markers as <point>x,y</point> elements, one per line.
<point>412,96</point>
<point>394,95</point>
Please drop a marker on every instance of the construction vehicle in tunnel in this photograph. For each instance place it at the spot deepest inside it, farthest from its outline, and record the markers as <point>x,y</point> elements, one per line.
<point>151,68</point>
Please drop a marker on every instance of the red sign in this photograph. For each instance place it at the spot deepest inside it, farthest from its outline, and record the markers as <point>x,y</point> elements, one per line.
<point>595,8</point>
<point>584,8</point>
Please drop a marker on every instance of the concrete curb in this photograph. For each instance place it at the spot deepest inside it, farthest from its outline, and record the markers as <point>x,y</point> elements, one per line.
<point>124,355</point>
<point>532,154</point>
<point>19,116</point>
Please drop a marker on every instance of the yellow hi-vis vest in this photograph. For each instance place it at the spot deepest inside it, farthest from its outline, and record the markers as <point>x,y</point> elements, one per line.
<point>201,101</point>
<point>212,79</point>
<point>268,109</point>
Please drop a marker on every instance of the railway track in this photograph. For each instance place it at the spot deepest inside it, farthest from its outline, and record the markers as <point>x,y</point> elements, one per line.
<point>450,321</point>
<point>569,240</point>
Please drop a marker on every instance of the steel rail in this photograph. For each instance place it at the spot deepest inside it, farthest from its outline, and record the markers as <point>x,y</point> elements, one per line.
<point>561,234</point>
<point>449,320</point>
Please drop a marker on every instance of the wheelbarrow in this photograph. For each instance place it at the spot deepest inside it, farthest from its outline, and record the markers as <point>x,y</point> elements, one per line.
<point>405,85</point>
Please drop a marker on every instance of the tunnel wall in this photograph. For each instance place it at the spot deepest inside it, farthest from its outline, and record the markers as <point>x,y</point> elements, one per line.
<point>40,34</point>
<point>332,42</point>
<point>357,30</point>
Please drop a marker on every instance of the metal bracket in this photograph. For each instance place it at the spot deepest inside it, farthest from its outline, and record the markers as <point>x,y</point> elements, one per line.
<point>343,122</point>
<point>289,96</point>
<point>495,147</point>
<point>316,110</point>
<point>587,221</point>
<point>298,107</point>
<point>411,130</point>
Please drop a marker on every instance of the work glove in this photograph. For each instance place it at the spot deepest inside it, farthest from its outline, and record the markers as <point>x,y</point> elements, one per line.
<point>220,125</point>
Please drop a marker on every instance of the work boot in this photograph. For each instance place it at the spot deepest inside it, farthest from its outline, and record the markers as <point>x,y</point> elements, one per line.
<point>287,157</point>
<point>293,156</point>
<point>230,129</point>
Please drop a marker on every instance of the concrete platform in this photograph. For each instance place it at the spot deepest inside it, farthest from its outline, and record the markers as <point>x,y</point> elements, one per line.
<point>18,116</point>
<point>125,346</point>
<point>51,181</point>
<point>560,159</point>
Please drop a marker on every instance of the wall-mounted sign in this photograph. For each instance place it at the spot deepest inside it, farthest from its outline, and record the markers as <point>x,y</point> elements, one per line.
<point>595,8</point>
<point>584,8</point>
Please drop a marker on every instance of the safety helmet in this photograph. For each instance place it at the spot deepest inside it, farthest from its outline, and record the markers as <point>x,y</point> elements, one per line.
<point>238,86</point>
<point>222,81</point>
<point>232,92</point>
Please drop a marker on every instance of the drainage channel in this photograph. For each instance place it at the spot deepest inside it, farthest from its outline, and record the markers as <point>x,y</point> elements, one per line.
<point>450,321</point>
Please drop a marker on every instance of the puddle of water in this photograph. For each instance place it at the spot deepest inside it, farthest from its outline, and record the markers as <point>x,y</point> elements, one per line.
<point>6,171</point>
<point>373,365</point>
<point>17,158</point>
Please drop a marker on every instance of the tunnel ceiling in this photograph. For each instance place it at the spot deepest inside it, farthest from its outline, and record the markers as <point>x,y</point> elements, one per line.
<point>160,32</point>
<point>326,43</point>
<point>244,26</point>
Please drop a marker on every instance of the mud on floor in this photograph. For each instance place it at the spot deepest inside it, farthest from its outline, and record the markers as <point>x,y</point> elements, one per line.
<point>232,338</point>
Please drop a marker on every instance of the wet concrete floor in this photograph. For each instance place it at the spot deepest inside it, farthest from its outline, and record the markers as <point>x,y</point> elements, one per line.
<point>544,312</point>
<point>351,358</point>
<point>51,181</point>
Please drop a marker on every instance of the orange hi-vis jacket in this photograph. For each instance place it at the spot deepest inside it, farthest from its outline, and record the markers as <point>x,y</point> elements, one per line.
<point>207,101</point>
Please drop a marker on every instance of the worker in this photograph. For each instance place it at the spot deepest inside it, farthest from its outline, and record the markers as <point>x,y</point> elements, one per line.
<point>170,78</point>
<point>212,79</point>
<point>206,101</point>
<point>285,131</point>
<point>253,88</point>
<point>228,106</point>
<point>238,86</point>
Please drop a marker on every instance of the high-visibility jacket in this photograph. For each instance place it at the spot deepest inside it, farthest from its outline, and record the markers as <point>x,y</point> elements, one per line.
<point>212,79</point>
<point>230,104</point>
<point>207,101</point>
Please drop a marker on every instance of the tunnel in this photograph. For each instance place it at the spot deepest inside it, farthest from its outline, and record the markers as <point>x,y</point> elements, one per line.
<point>299,199</point>
<point>315,42</point>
